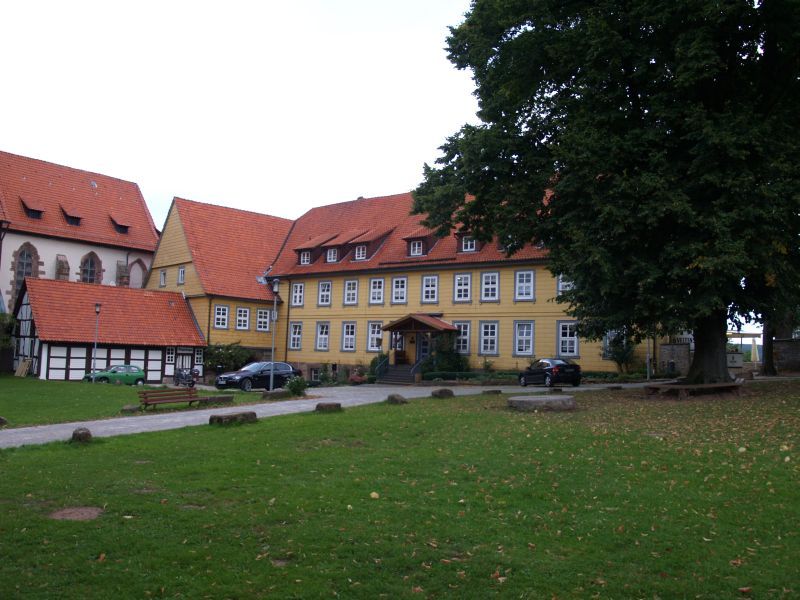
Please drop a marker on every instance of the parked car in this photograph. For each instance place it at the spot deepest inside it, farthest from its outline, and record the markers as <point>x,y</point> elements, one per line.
<point>550,371</point>
<point>128,374</point>
<point>256,375</point>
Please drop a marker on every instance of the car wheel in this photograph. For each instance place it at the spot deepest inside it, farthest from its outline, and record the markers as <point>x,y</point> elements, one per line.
<point>548,381</point>
<point>246,385</point>
<point>523,381</point>
<point>102,380</point>
<point>576,383</point>
<point>140,381</point>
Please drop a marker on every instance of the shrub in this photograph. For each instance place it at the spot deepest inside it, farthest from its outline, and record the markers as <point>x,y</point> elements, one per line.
<point>297,386</point>
<point>373,364</point>
<point>227,357</point>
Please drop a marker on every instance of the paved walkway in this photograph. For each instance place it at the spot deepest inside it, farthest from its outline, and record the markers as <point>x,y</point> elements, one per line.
<point>346,395</point>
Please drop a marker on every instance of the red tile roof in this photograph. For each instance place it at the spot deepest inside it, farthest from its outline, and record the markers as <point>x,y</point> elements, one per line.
<point>48,187</point>
<point>392,214</point>
<point>412,321</point>
<point>231,247</point>
<point>64,312</point>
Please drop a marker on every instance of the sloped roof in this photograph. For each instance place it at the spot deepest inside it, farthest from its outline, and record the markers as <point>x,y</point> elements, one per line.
<point>64,312</point>
<point>385,214</point>
<point>231,247</point>
<point>49,187</point>
<point>419,322</point>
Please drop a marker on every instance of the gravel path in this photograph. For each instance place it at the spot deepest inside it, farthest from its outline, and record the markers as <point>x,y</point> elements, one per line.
<point>346,395</point>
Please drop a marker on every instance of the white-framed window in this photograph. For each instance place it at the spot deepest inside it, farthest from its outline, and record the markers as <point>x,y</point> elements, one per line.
<point>348,336</point>
<point>351,292</point>
<point>324,293</point>
<point>332,255</point>
<point>162,278</point>
<point>488,337</point>
<point>523,338</point>
<point>323,336</point>
<point>524,289</point>
<point>242,318</point>
<point>415,248</point>
<point>298,294</point>
<point>295,335</point>
<point>360,252</point>
<point>490,287</point>
<point>462,287</point>
<point>608,340</point>
<point>376,291</point>
<point>564,285</point>
<point>468,244</point>
<point>314,373</point>
<point>567,338</point>
<point>399,290</point>
<point>305,257</point>
<point>181,275</point>
<point>430,289</point>
<point>462,337</point>
<point>220,316</point>
<point>198,356</point>
<point>262,319</point>
<point>169,355</point>
<point>374,336</point>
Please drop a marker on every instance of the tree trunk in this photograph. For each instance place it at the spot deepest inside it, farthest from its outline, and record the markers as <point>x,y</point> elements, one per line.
<point>768,354</point>
<point>710,361</point>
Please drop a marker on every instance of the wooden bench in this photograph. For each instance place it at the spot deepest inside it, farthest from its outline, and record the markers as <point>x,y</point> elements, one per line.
<point>148,397</point>
<point>685,389</point>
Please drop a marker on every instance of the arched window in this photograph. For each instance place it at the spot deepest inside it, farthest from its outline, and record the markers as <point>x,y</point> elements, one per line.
<point>91,269</point>
<point>23,267</point>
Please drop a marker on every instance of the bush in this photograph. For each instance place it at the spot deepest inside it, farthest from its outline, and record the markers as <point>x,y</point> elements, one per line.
<point>297,386</point>
<point>373,364</point>
<point>228,357</point>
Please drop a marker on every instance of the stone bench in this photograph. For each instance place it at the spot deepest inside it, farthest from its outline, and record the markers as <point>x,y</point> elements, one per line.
<point>684,390</point>
<point>543,402</point>
<point>233,418</point>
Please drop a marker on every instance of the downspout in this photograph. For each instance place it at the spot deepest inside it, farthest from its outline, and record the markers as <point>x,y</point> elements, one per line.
<point>208,325</point>
<point>288,316</point>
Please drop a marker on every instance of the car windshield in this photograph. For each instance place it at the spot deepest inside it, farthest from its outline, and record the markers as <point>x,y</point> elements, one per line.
<point>256,366</point>
<point>558,361</point>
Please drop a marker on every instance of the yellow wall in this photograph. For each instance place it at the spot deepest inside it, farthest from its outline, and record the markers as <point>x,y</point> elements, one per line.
<point>543,311</point>
<point>250,337</point>
<point>172,253</point>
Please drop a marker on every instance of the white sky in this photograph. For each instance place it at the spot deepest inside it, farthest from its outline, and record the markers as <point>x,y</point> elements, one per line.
<point>271,106</point>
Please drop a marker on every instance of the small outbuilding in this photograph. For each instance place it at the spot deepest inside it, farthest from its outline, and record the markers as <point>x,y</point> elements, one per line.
<point>66,328</point>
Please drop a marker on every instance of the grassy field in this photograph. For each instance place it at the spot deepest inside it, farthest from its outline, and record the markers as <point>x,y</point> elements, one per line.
<point>625,498</point>
<point>28,401</point>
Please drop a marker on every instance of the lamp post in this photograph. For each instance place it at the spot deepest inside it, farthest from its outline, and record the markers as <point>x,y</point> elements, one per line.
<point>265,279</point>
<point>96,330</point>
<point>273,317</point>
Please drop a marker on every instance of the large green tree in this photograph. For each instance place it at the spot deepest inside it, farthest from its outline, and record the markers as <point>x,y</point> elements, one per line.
<point>651,146</point>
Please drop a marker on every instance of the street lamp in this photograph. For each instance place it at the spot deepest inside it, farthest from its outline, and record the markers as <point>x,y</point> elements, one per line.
<point>275,283</point>
<point>96,329</point>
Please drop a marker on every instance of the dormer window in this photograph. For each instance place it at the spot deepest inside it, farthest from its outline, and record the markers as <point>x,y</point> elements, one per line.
<point>305,257</point>
<point>33,210</point>
<point>415,248</point>
<point>468,244</point>
<point>71,216</point>
<point>360,252</point>
<point>120,225</point>
<point>332,255</point>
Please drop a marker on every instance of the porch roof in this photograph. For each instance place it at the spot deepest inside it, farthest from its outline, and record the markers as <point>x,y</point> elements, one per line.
<point>419,322</point>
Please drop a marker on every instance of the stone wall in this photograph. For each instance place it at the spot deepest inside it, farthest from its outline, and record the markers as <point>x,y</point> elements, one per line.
<point>787,355</point>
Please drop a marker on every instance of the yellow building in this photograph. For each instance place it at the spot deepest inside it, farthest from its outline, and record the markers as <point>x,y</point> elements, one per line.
<point>213,255</point>
<point>363,277</point>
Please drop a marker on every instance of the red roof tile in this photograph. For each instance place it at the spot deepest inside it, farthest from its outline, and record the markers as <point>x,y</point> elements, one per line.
<point>395,212</point>
<point>231,247</point>
<point>64,312</point>
<point>47,187</point>
<point>409,322</point>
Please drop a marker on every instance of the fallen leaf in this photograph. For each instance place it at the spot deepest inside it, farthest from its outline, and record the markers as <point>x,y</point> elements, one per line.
<point>375,496</point>
<point>102,557</point>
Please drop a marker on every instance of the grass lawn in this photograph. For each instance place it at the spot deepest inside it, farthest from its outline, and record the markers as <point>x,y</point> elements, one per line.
<point>28,401</point>
<point>624,498</point>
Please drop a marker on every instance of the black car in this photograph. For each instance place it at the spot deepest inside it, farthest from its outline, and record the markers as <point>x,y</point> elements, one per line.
<point>256,375</point>
<point>550,371</point>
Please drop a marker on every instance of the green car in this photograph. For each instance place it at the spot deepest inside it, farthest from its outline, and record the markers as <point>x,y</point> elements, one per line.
<point>127,374</point>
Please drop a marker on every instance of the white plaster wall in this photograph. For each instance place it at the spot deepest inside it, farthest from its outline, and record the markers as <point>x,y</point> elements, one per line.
<point>74,251</point>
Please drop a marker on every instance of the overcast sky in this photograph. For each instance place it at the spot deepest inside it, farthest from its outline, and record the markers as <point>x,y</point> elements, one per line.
<point>270,106</point>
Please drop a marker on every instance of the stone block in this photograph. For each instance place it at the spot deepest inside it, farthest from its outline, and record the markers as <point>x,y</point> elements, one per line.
<point>276,394</point>
<point>233,418</point>
<point>542,403</point>
<point>396,399</point>
<point>81,435</point>
<point>130,409</point>
<point>492,392</point>
<point>328,407</point>
<point>3,421</point>
<point>442,393</point>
